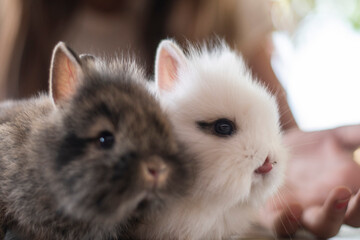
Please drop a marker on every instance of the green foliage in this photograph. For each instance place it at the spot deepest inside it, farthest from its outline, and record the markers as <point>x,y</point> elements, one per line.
<point>354,18</point>
<point>288,13</point>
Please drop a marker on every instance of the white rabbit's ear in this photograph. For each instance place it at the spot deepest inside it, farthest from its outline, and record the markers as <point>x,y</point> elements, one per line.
<point>65,73</point>
<point>169,58</point>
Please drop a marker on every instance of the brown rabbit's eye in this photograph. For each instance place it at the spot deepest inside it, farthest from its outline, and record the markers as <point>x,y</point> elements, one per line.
<point>105,140</point>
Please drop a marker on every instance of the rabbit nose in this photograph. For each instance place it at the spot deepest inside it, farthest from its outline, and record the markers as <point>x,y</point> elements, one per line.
<point>155,171</point>
<point>265,167</point>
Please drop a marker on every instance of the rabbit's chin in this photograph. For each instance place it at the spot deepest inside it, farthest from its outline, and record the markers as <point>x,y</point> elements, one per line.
<point>231,187</point>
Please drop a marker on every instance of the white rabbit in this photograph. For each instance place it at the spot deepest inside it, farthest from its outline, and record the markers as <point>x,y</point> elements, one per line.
<point>229,124</point>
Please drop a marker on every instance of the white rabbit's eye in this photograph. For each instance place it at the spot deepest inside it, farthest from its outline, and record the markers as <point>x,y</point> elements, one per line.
<point>224,127</point>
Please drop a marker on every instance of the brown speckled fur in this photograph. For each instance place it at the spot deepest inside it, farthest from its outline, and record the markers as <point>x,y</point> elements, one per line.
<point>55,180</point>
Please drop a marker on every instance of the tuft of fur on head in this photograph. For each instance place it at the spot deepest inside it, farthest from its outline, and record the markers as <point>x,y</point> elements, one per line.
<point>202,86</point>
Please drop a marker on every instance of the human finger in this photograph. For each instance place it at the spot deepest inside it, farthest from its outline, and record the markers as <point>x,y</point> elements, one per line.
<point>349,136</point>
<point>352,216</point>
<point>325,221</point>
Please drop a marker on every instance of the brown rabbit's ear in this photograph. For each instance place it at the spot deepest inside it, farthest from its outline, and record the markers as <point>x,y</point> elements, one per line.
<point>65,73</point>
<point>169,58</point>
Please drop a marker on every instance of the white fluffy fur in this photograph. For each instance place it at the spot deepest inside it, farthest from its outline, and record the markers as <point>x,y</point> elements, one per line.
<point>210,84</point>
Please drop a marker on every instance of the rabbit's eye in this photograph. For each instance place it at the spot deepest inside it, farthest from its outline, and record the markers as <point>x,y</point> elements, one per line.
<point>105,140</point>
<point>224,127</point>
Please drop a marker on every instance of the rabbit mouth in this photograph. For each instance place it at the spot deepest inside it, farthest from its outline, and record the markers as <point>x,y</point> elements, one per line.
<point>266,167</point>
<point>151,200</point>
<point>143,204</point>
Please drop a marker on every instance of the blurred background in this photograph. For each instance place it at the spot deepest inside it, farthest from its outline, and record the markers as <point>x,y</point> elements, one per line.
<point>311,45</point>
<point>317,51</point>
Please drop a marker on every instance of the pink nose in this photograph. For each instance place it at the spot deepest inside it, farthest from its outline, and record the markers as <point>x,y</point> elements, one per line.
<point>153,171</point>
<point>265,168</point>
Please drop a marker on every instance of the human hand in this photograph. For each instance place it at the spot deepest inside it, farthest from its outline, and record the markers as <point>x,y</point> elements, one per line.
<point>321,184</point>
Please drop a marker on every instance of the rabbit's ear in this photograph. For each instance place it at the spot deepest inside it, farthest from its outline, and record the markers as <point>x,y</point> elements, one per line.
<point>169,58</point>
<point>65,73</point>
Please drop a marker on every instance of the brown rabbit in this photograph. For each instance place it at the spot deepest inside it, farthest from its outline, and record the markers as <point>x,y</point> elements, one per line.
<point>79,162</point>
